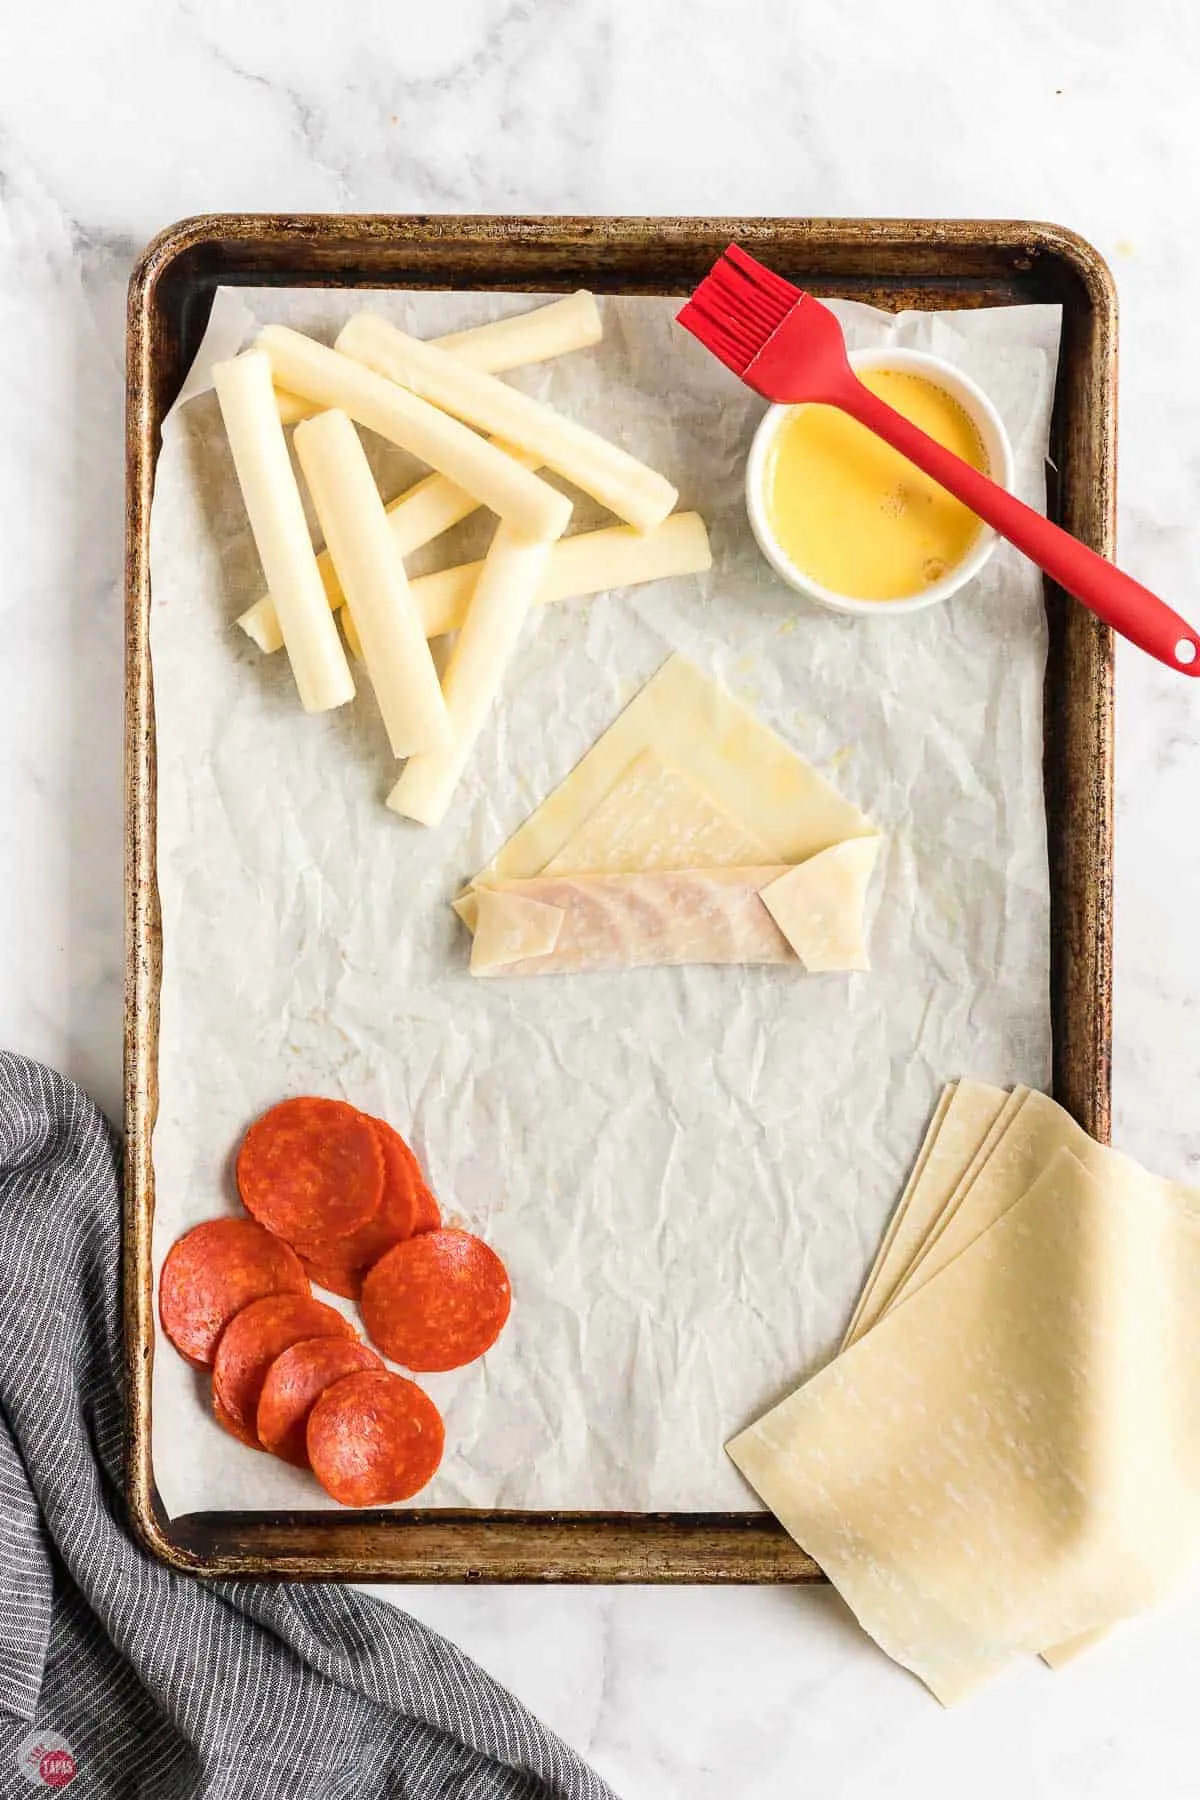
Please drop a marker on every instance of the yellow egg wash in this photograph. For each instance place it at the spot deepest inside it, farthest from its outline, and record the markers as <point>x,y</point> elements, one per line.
<point>851,512</point>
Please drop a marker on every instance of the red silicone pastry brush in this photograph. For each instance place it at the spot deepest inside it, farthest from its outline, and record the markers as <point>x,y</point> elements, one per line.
<point>790,348</point>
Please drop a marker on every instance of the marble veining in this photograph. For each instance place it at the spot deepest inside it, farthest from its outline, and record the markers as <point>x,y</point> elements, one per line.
<point>115,122</point>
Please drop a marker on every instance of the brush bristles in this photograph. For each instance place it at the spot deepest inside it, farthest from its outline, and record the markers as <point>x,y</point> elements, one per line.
<point>782,293</point>
<point>737,307</point>
<point>724,334</point>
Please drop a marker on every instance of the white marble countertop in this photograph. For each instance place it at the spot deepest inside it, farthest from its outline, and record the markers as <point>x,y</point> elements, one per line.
<point>1081,111</point>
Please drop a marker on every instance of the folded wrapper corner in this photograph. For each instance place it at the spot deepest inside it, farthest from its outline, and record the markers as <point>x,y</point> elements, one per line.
<point>750,857</point>
<point>820,906</point>
<point>511,928</point>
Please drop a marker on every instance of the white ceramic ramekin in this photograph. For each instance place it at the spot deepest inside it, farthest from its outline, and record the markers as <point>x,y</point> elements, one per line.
<point>997,449</point>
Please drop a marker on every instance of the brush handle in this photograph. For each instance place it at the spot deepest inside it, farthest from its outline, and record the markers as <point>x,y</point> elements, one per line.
<point>1120,601</point>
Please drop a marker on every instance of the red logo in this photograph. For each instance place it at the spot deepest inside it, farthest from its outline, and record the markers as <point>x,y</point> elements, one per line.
<point>46,1760</point>
<point>56,1768</point>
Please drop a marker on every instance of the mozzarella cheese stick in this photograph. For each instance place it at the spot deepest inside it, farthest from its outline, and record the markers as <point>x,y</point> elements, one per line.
<point>421,513</point>
<point>292,408</point>
<point>276,512</point>
<point>630,489</point>
<point>512,570</point>
<point>302,366</point>
<point>372,576</point>
<point>592,562</point>
<point>350,632</point>
<point>544,332</point>
<point>552,330</point>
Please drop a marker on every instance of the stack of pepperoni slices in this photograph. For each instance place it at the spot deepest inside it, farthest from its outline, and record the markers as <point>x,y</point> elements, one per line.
<point>336,1198</point>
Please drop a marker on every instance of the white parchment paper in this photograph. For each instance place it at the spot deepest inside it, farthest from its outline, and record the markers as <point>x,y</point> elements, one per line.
<point>687,1171</point>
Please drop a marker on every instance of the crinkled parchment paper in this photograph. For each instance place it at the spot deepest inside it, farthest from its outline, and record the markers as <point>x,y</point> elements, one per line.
<point>687,1171</point>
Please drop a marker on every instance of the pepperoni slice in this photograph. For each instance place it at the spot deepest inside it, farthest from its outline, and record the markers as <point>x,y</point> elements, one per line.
<point>228,1423</point>
<point>212,1272</point>
<point>255,1337</point>
<point>427,1216</point>
<point>295,1380</point>
<point>335,1280</point>
<point>374,1439</point>
<point>437,1301</point>
<point>311,1169</point>
<point>393,1222</point>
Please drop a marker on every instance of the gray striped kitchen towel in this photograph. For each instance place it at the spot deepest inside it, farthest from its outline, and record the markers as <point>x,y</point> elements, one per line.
<point>119,1677</point>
